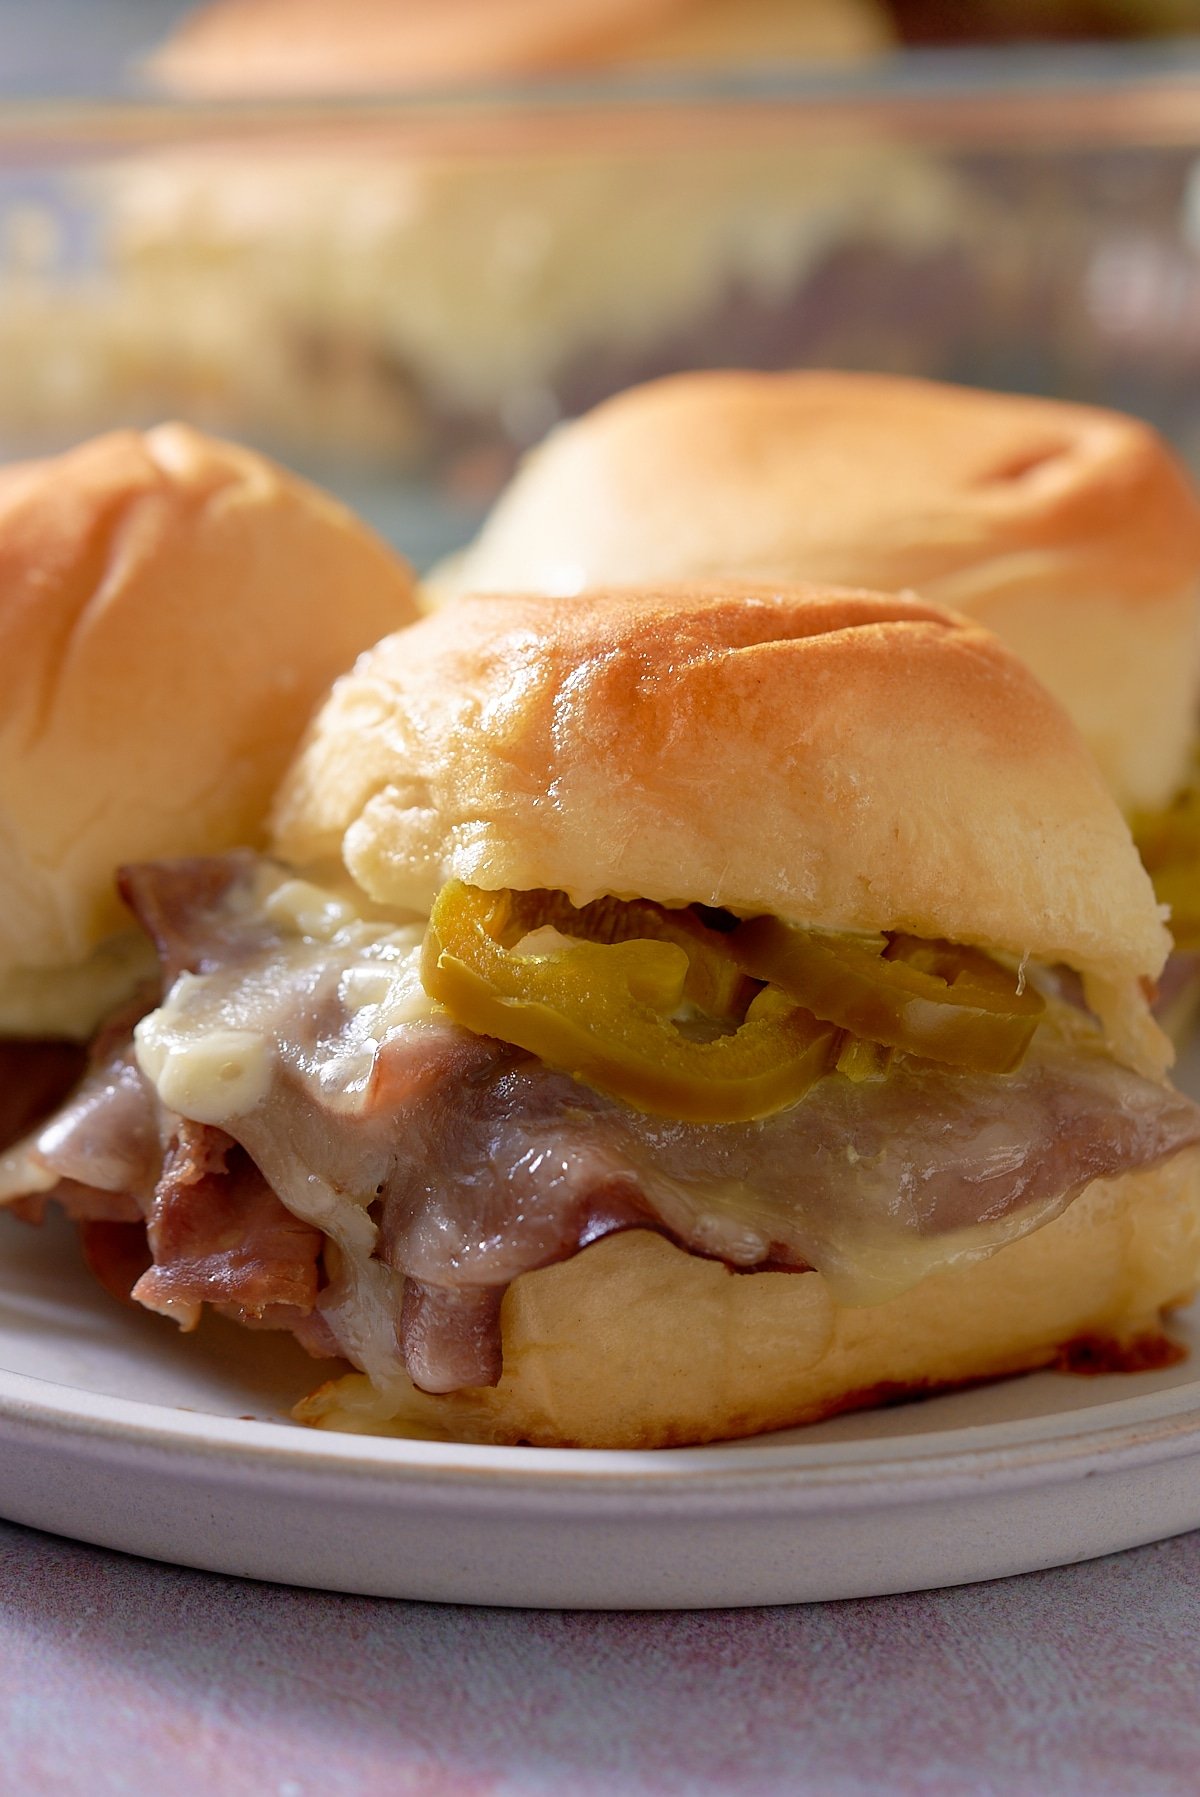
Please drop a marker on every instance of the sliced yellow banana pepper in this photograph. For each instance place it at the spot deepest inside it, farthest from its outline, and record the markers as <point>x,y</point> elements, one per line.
<point>934,999</point>
<point>714,982</point>
<point>603,1007</point>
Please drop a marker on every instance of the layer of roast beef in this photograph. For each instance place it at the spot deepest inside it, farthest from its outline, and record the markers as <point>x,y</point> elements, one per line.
<point>217,1234</point>
<point>172,1213</point>
<point>35,1077</point>
<point>870,1183</point>
<point>393,1173</point>
<point>98,1153</point>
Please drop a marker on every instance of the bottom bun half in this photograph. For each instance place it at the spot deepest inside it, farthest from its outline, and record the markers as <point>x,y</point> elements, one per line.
<point>635,1344</point>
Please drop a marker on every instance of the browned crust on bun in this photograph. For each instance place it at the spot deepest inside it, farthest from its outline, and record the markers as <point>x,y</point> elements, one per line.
<point>1071,531</point>
<point>171,609</point>
<point>841,759</point>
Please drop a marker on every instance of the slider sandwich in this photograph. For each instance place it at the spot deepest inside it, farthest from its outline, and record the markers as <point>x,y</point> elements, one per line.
<point>665,1017</point>
<point>171,610</point>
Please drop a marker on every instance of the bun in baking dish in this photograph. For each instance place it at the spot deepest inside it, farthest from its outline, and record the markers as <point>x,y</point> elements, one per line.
<point>380,287</point>
<point>633,1344</point>
<point>1072,532</point>
<point>844,759</point>
<point>297,46</point>
<point>171,609</point>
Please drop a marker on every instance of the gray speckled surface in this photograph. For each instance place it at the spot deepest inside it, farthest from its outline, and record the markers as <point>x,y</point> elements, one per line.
<point>117,1675</point>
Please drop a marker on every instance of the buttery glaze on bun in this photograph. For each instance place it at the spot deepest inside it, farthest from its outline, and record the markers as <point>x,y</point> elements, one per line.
<point>1072,532</point>
<point>171,609</point>
<point>837,758</point>
<point>842,759</point>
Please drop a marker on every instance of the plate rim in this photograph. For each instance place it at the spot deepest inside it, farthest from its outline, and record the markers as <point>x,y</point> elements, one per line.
<point>799,1475</point>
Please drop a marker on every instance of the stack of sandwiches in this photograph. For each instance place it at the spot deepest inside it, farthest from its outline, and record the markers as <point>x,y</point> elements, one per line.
<point>697,979</point>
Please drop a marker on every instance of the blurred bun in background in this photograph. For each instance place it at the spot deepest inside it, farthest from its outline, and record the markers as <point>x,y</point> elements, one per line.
<point>171,610</point>
<point>364,46</point>
<point>1072,532</point>
<point>403,286</point>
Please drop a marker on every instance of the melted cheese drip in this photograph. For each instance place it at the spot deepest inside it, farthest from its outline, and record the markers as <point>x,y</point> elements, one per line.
<point>313,1042</point>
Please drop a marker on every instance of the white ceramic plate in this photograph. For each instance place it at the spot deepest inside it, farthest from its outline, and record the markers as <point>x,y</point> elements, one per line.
<point>116,1429</point>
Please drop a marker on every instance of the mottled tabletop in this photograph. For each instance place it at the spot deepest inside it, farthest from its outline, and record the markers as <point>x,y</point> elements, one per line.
<point>118,1675</point>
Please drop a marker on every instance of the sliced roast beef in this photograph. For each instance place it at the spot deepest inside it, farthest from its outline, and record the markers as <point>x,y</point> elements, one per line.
<point>459,1162</point>
<point>323,1102</point>
<point>116,1253</point>
<point>874,1184</point>
<point>219,1235</point>
<point>98,1155</point>
<point>35,1077</point>
<point>197,911</point>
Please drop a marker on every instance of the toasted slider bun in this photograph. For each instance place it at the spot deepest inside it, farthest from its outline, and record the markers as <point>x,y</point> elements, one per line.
<point>306,46</point>
<point>171,609</point>
<point>836,758</point>
<point>1071,532</point>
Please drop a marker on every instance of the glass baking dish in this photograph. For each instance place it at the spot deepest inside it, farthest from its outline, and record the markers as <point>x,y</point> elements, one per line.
<point>399,296</point>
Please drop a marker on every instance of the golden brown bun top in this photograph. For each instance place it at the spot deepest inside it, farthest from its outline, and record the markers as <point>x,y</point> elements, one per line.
<point>171,610</point>
<point>842,759</point>
<point>232,47</point>
<point>1072,532</point>
<point>888,480</point>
